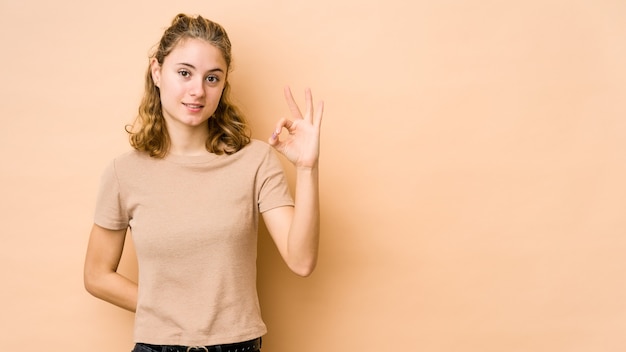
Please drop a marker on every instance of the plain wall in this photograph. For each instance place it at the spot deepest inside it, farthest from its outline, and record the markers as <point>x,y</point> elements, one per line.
<point>472,175</point>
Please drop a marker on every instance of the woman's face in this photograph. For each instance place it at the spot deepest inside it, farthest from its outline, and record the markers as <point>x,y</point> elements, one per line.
<point>190,81</point>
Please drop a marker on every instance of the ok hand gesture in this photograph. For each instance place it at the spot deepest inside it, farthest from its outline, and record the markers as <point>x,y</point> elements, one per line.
<point>301,147</point>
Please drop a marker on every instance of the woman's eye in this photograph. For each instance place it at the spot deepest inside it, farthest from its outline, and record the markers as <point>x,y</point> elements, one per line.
<point>184,73</point>
<point>212,79</point>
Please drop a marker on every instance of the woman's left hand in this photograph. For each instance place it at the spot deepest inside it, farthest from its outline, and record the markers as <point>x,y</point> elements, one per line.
<point>302,145</point>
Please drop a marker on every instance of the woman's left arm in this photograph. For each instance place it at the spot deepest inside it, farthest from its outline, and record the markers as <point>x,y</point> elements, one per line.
<point>296,230</point>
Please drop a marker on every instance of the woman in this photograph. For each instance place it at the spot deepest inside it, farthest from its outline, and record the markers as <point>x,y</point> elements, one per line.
<point>191,192</point>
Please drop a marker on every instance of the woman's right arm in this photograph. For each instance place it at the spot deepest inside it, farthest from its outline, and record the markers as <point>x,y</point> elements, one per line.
<point>101,277</point>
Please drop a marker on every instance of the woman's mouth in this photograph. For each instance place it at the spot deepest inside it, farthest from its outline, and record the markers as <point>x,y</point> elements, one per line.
<point>193,107</point>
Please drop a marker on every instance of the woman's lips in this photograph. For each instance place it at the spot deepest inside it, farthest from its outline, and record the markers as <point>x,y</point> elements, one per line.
<point>193,107</point>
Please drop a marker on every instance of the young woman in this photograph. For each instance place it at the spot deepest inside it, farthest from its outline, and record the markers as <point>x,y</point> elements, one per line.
<point>191,191</point>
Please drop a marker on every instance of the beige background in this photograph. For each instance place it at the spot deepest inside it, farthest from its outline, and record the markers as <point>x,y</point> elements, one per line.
<point>472,182</point>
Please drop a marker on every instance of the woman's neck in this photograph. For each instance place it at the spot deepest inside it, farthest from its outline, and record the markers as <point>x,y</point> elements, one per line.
<point>187,140</point>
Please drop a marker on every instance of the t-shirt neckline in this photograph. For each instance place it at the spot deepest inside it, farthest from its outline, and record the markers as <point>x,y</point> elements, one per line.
<point>191,159</point>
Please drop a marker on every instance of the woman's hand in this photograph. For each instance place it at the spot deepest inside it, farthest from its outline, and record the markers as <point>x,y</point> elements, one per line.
<point>302,145</point>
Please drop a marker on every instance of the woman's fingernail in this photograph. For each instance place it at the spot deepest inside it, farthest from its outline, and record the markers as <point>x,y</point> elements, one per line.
<point>274,135</point>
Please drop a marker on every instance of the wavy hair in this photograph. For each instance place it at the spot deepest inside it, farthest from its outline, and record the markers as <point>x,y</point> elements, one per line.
<point>228,130</point>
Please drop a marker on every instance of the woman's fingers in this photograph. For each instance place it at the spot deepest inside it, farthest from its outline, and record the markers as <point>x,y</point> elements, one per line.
<point>313,117</point>
<point>319,112</point>
<point>295,110</point>
<point>308,115</point>
<point>293,106</point>
<point>282,123</point>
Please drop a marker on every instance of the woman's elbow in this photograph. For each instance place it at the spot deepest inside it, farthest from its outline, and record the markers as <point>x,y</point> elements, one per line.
<point>303,269</point>
<point>89,284</point>
<point>91,281</point>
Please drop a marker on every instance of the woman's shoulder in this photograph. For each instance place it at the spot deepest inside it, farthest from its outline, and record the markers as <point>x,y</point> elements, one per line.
<point>256,149</point>
<point>133,159</point>
<point>130,159</point>
<point>131,156</point>
<point>258,145</point>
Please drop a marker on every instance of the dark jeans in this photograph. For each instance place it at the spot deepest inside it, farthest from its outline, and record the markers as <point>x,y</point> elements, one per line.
<point>145,348</point>
<point>249,346</point>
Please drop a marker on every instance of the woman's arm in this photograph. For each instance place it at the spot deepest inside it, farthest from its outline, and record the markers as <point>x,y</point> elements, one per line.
<point>296,230</point>
<point>100,275</point>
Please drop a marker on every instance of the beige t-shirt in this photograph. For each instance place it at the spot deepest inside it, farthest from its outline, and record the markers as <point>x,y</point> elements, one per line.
<point>194,224</point>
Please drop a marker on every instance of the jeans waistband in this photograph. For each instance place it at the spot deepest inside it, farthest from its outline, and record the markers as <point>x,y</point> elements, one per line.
<point>247,346</point>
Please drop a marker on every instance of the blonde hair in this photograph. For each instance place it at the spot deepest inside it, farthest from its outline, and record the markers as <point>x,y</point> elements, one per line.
<point>228,130</point>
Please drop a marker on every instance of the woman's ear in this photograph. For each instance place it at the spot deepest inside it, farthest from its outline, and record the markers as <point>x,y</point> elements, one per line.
<point>155,70</point>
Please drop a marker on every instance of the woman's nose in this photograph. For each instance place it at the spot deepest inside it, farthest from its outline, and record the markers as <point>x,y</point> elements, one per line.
<point>196,88</point>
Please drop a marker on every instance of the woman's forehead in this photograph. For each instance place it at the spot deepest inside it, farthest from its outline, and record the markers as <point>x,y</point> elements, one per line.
<point>196,52</point>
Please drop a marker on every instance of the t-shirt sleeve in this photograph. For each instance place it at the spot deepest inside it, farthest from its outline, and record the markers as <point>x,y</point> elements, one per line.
<point>273,190</point>
<point>109,210</point>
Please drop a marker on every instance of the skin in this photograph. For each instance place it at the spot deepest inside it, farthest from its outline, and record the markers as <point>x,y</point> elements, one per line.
<point>191,81</point>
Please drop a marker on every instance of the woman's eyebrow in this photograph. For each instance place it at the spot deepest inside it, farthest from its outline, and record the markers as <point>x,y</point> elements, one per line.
<point>217,69</point>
